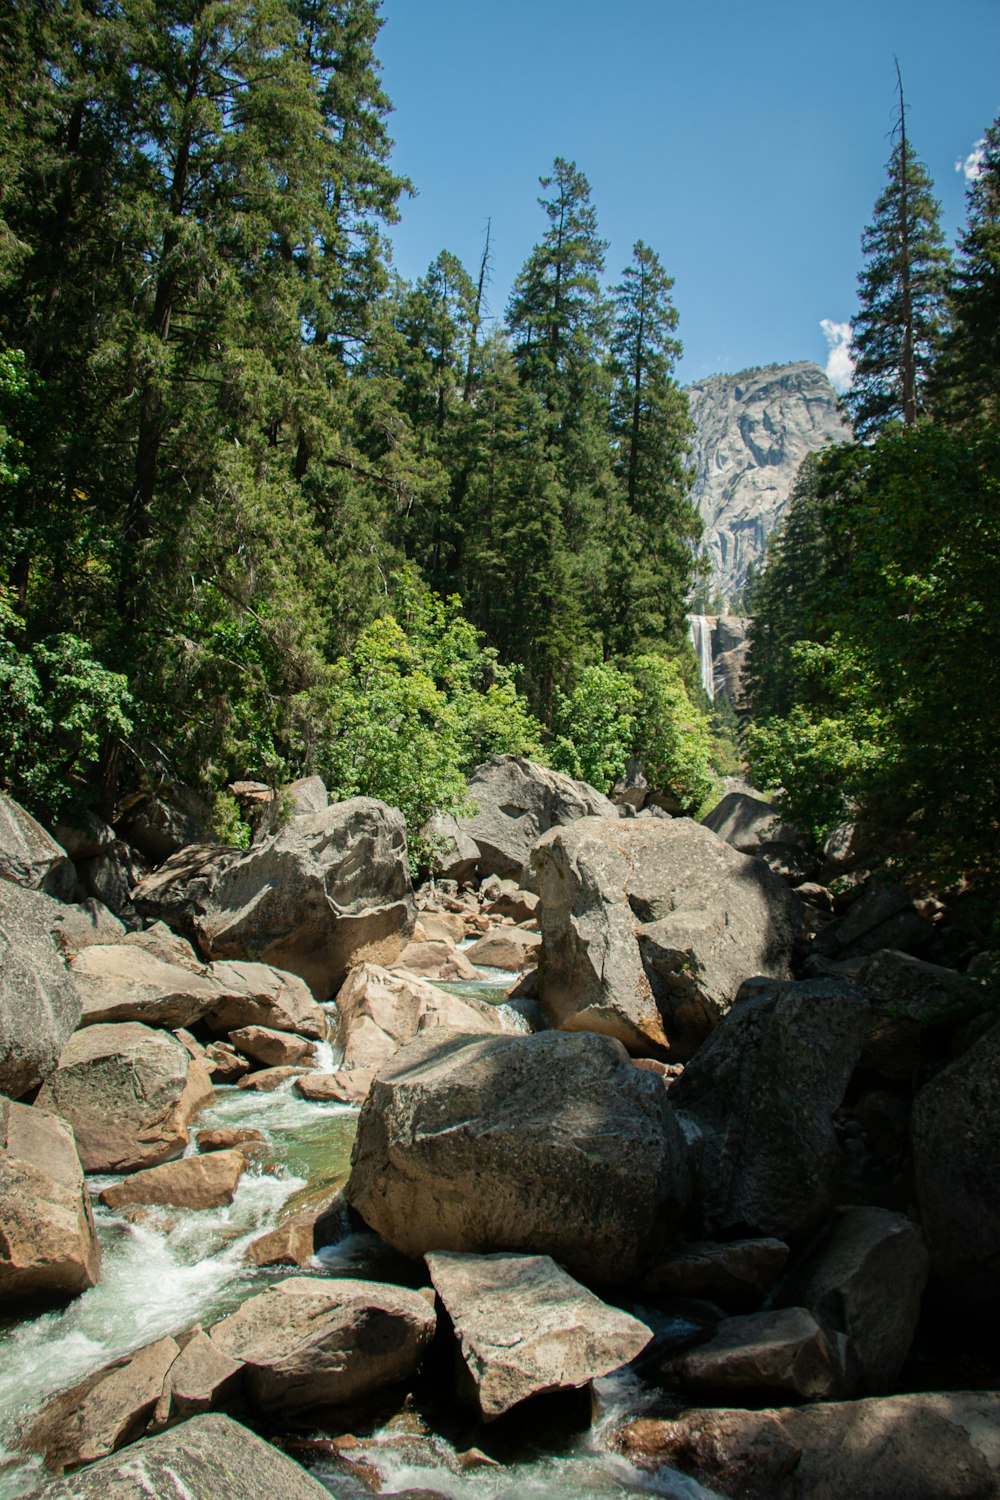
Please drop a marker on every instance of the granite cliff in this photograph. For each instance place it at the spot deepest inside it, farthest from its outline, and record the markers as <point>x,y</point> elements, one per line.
<point>753,431</point>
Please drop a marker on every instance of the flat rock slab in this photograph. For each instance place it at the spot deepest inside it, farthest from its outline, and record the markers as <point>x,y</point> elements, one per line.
<point>207,1458</point>
<point>346,1086</point>
<point>275,1049</point>
<point>524,1327</point>
<point>129,1093</point>
<point>269,1079</point>
<point>938,1446</point>
<point>505,948</point>
<point>438,958</point>
<point>261,995</point>
<point>784,1351</point>
<point>39,1003</point>
<point>126,982</point>
<point>313,1342</point>
<point>196,1182</point>
<point>48,1245</point>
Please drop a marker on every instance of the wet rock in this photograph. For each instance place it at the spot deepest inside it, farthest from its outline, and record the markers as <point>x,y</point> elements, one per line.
<point>763,1090</point>
<point>30,857</point>
<point>103,1412</point>
<point>202,1378</point>
<point>956,1167</point>
<point>346,1086</point>
<point>225,1137</point>
<point>768,1352</point>
<point>738,1274</point>
<point>650,928</point>
<point>39,1003</point>
<point>318,1342</point>
<point>439,959</point>
<point>517,801</point>
<point>48,1245</point>
<point>551,1144</point>
<point>378,1011</point>
<point>274,1049</point>
<point>258,995</point>
<point>269,1079</point>
<point>209,1457</point>
<point>913,1447</point>
<point>125,982</point>
<point>196,1182</point>
<point>524,1327</point>
<point>864,1279</point>
<point>453,853</point>
<point>290,1244</point>
<point>506,948</point>
<point>129,1093</point>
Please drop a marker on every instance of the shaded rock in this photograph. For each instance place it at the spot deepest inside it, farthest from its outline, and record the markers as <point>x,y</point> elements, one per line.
<point>316,1342</point>
<point>158,824</point>
<point>104,1412</point>
<point>110,877</point>
<point>257,995</point>
<point>956,1167</point>
<point>763,1090</point>
<point>520,906</point>
<point>30,857</point>
<point>85,835</point>
<point>649,928</point>
<point>209,1457</point>
<point>881,917</point>
<point>737,1274</point>
<point>178,891</point>
<point>129,1093</point>
<point>506,948</point>
<point>224,1063</point>
<point>166,945</point>
<point>517,801</point>
<point>864,1279</point>
<point>48,1245</point>
<point>196,1182</point>
<point>274,1049</point>
<point>551,1143</point>
<point>907,997</point>
<point>438,925</point>
<point>453,853</point>
<point>748,823</point>
<point>125,982</point>
<point>327,892</point>
<point>200,1379</point>
<point>300,799</point>
<point>632,788</point>
<point>524,1327</point>
<point>439,959</point>
<point>378,1011</point>
<point>346,1086</point>
<point>39,1003</point>
<point>225,1137</point>
<point>913,1447</point>
<point>784,1351</point>
<point>83,925</point>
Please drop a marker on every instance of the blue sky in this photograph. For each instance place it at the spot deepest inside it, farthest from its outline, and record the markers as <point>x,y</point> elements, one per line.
<point>745,143</point>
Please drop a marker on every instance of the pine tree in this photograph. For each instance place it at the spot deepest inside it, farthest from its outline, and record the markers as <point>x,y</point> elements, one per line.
<point>898,329</point>
<point>967,382</point>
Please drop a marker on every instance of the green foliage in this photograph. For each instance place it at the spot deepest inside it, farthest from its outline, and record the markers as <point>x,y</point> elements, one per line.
<point>673,738</point>
<point>14,392</point>
<point>595,726</point>
<point>966,383</point>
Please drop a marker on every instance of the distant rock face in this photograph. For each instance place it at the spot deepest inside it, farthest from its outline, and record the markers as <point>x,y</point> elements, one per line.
<point>752,432</point>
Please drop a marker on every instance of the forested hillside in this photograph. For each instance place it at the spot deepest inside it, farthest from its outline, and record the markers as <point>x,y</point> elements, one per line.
<point>240,455</point>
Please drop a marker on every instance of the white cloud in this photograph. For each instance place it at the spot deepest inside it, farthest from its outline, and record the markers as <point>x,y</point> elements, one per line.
<point>839,364</point>
<point>972,165</point>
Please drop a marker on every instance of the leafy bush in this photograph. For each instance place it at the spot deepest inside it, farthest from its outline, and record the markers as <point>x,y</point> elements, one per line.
<point>595,726</point>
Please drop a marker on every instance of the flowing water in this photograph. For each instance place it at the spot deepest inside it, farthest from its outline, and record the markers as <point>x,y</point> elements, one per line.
<point>700,632</point>
<point>179,1267</point>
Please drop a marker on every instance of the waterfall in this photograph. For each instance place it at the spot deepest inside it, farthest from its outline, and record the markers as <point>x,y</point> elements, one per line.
<point>700,630</point>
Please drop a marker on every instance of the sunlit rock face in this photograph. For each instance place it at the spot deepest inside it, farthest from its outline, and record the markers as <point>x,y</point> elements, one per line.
<point>753,430</point>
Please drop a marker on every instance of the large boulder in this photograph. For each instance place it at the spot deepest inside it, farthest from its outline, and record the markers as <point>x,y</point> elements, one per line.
<point>909,1000</point>
<point>452,854</point>
<point>379,1011</point>
<point>749,824</point>
<point>30,857</point>
<point>48,1246</point>
<point>160,823</point>
<point>737,1274</point>
<point>437,958</point>
<point>125,982</point>
<point>111,876</point>
<point>913,1447</point>
<point>317,1342</point>
<point>209,1457</point>
<point>195,1182</point>
<point>272,1049</point>
<point>516,802</point>
<point>863,1278</point>
<point>956,1166</point>
<point>783,1352</point>
<point>525,1328</point>
<point>258,995</point>
<point>177,892</point>
<point>129,1093</point>
<point>550,1143</point>
<point>39,1003</point>
<point>510,948</point>
<point>75,927</point>
<point>328,891</point>
<point>650,927</point>
<point>763,1091</point>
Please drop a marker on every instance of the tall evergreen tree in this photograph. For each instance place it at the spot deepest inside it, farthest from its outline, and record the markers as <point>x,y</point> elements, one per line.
<point>898,328</point>
<point>967,382</point>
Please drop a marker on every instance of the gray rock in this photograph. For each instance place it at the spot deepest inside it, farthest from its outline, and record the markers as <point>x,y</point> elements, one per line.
<point>202,1378</point>
<point>75,927</point>
<point>30,857</point>
<point>84,836</point>
<point>913,1447</point>
<point>763,1090</point>
<point>510,948</point>
<point>864,1279</point>
<point>517,801</point>
<point>39,1003</point>
<point>48,1245</point>
<point>737,1274</point>
<point>767,1352</point>
<point>300,799</point>
<point>379,1011</point>
<point>177,892</point>
<point>259,995</point>
<point>436,958</point>
<point>956,1164</point>
<point>125,982</point>
<point>111,876</point>
<point>649,928</point>
<point>552,1144</point>
<point>749,822</point>
<point>210,1457</point>
<point>164,944</point>
<point>524,1327</point>
<point>274,1049</point>
<point>159,824</point>
<point>907,997</point>
<point>312,1342</point>
<point>128,1092</point>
